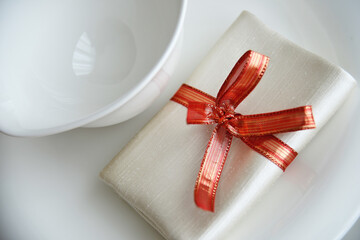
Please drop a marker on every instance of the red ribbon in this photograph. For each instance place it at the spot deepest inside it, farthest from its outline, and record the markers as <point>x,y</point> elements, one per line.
<point>255,130</point>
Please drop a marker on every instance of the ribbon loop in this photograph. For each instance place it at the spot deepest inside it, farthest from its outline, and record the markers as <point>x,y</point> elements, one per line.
<point>243,78</point>
<point>201,113</point>
<point>289,120</point>
<point>255,130</point>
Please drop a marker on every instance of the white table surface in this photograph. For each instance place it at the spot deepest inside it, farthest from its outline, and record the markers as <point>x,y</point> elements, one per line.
<point>49,186</point>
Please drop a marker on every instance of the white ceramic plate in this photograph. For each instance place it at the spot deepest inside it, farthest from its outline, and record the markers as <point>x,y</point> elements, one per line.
<point>49,187</point>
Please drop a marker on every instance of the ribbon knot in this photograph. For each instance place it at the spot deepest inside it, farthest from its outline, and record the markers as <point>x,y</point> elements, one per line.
<point>224,114</point>
<point>225,118</point>
<point>255,130</point>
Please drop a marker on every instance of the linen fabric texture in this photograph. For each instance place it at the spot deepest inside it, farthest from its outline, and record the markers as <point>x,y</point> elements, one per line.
<point>156,172</point>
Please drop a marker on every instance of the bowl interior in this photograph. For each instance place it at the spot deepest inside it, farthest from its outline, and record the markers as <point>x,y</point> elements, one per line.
<point>64,60</point>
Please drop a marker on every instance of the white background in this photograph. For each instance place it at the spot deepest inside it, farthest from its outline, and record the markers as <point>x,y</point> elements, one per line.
<point>49,186</point>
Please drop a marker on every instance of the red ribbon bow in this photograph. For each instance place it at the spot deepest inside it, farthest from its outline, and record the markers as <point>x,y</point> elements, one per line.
<point>255,130</point>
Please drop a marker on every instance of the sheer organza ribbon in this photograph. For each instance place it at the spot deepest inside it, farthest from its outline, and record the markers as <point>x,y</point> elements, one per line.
<point>255,130</point>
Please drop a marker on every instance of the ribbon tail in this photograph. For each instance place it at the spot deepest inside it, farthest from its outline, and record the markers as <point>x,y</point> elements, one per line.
<point>211,168</point>
<point>272,148</point>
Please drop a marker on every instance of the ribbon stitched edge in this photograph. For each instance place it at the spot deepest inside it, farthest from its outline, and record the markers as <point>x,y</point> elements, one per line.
<point>255,130</point>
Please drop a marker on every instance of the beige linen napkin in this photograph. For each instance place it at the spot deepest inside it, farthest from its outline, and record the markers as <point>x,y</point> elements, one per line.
<point>156,172</point>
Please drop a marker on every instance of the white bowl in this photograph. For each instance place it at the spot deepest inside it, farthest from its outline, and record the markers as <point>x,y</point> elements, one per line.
<point>66,64</point>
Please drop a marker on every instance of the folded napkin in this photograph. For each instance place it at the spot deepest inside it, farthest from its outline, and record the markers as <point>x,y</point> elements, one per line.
<point>156,172</point>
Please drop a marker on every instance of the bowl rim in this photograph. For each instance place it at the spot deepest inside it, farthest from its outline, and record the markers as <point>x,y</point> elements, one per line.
<point>111,107</point>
